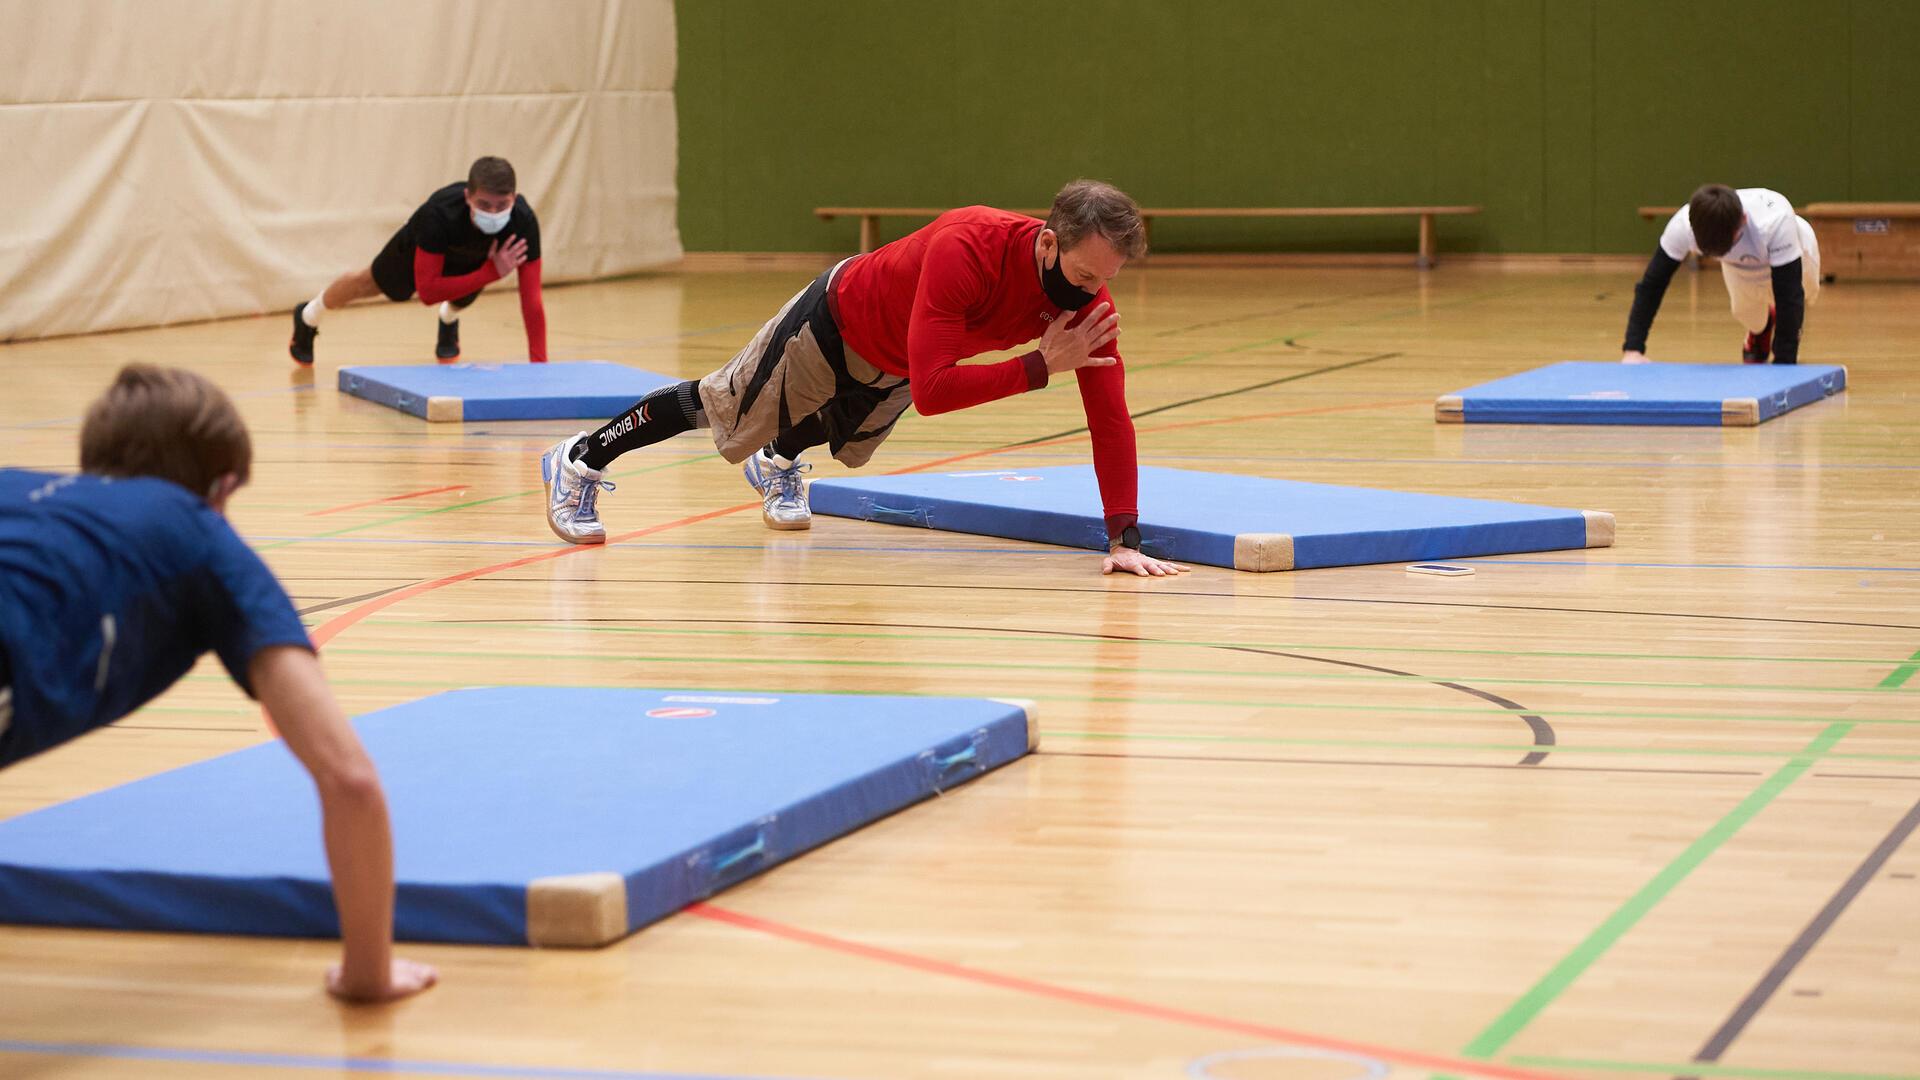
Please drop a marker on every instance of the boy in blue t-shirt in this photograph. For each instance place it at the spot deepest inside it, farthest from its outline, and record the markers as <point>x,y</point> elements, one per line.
<point>115,581</point>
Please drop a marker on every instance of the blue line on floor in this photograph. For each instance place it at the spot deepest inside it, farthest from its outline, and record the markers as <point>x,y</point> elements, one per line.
<point>450,446</point>
<point>901,550</point>
<point>1706,566</point>
<point>390,1066</point>
<point>379,540</point>
<point>1151,459</point>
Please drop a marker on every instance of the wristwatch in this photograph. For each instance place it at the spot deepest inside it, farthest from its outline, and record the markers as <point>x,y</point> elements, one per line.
<point>1129,538</point>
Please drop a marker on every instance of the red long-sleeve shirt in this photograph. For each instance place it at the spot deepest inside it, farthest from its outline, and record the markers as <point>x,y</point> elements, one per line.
<point>433,288</point>
<point>965,285</point>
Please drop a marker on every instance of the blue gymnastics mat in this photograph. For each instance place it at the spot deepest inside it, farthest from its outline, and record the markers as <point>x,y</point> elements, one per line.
<point>562,390</point>
<point>1584,392</point>
<point>521,815</point>
<point>1242,522</point>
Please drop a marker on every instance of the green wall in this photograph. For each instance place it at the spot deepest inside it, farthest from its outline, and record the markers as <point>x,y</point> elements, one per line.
<point>1558,116</point>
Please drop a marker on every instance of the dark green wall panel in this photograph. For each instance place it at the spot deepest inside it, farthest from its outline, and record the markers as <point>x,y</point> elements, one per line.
<point>1884,105</point>
<point>1558,116</point>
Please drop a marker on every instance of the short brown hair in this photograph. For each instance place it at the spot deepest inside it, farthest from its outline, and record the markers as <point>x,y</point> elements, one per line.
<point>169,423</point>
<point>1715,213</point>
<point>492,175</point>
<point>1089,206</point>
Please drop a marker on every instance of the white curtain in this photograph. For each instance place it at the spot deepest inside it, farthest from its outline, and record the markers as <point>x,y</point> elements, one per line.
<point>169,160</point>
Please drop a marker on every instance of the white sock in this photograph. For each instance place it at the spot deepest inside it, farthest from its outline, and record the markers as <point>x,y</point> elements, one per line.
<point>778,461</point>
<point>579,465</point>
<point>447,312</point>
<point>311,313</point>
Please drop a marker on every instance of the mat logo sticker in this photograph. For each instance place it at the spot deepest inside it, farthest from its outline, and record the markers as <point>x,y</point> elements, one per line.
<point>1023,478</point>
<point>683,712</point>
<point>716,699</point>
<point>1601,395</point>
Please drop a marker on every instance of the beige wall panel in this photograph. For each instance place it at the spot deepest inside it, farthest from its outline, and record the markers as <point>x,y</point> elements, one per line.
<point>89,50</point>
<point>635,53</point>
<point>178,161</point>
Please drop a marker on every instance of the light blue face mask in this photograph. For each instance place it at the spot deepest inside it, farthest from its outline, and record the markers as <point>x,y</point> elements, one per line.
<point>492,223</point>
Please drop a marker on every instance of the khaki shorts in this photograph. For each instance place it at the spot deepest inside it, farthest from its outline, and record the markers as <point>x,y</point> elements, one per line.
<point>1751,291</point>
<point>795,367</point>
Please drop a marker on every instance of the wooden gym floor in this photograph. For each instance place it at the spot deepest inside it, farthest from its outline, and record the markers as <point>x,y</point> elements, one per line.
<point>1639,811</point>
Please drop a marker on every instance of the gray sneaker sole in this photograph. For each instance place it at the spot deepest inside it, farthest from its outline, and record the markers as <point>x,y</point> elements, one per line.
<point>599,539</point>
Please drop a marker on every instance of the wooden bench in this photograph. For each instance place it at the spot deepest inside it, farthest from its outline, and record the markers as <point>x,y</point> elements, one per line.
<point>870,217</point>
<point>1866,240</point>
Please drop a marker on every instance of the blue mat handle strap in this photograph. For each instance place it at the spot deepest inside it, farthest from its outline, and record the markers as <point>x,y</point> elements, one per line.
<point>918,516</point>
<point>954,762</point>
<point>349,382</point>
<point>733,858</point>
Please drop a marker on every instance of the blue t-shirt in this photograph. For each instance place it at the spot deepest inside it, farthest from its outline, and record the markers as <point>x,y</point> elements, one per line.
<point>110,590</point>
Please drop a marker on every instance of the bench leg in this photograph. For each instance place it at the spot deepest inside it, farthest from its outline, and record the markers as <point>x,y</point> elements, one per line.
<point>1426,260</point>
<point>869,232</point>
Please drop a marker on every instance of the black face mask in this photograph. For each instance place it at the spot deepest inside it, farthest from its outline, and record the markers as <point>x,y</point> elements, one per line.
<point>1064,294</point>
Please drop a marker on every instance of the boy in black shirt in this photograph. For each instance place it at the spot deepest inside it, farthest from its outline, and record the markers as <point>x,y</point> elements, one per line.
<point>463,238</point>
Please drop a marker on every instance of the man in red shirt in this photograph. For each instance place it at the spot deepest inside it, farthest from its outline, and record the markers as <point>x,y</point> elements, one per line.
<point>462,239</point>
<point>888,329</point>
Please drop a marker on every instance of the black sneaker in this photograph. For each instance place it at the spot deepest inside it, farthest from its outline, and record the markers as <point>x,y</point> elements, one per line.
<point>301,347</point>
<point>448,347</point>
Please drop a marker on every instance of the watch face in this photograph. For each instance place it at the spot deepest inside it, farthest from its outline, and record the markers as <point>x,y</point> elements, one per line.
<point>1130,536</point>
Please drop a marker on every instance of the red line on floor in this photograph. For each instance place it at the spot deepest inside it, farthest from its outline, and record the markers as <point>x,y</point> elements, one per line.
<point>1109,1002</point>
<point>332,628</point>
<point>388,499</point>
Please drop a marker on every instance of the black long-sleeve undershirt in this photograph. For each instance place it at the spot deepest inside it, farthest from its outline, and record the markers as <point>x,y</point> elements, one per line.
<point>1789,312</point>
<point>1647,294</point>
<point>1789,306</point>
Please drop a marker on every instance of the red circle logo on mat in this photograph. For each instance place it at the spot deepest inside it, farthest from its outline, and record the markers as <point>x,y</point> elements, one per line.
<point>680,712</point>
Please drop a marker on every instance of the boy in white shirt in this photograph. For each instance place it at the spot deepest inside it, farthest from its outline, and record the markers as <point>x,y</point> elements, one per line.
<point>1768,257</point>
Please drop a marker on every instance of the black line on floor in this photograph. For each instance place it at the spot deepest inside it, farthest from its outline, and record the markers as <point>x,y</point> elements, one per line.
<point>1295,377</point>
<point>1294,343</point>
<point>345,600</point>
<point>1541,731</point>
<point>1797,951</point>
<point>1398,764</point>
<point>1537,724</point>
<point>1287,310</point>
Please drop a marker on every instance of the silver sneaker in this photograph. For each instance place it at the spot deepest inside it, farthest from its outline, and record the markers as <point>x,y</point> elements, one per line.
<point>783,498</point>
<point>571,495</point>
